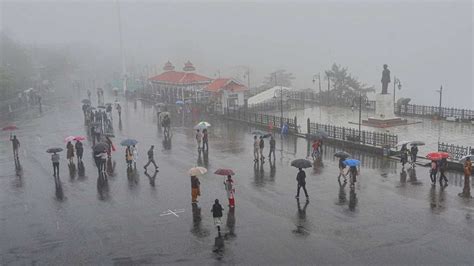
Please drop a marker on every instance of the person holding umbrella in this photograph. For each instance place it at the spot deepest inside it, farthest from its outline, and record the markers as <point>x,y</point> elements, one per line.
<point>261,145</point>
<point>198,139</point>
<point>466,192</point>
<point>229,188</point>
<point>433,172</point>
<point>256,146</point>
<point>413,153</point>
<point>129,157</point>
<point>55,159</point>
<point>301,179</point>
<point>195,188</point>
<point>119,110</point>
<point>353,172</point>
<point>70,152</point>
<point>205,140</point>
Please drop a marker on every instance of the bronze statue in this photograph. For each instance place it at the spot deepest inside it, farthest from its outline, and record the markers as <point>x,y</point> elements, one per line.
<point>385,79</point>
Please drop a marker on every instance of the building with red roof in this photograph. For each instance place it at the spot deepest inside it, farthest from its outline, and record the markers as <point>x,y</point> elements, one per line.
<point>186,85</point>
<point>174,85</point>
<point>227,93</point>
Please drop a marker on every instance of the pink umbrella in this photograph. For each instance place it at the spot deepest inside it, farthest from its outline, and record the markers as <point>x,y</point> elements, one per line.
<point>10,128</point>
<point>74,138</point>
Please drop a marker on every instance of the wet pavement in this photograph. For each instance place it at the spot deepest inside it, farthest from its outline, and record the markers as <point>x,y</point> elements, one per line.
<point>428,130</point>
<point>391,216</point>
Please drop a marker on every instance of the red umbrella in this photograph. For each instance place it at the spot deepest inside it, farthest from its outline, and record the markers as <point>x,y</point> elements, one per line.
<point>10,128</point>
<point>225,172</point>
<point>438,155</point>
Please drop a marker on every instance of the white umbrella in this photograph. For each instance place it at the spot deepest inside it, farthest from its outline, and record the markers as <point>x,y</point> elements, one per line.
<point>202,125</point>
<point>463,159</point>
<point>195,171</point>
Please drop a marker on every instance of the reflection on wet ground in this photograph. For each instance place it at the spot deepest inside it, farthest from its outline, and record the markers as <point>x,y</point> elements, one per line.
<point>99,218</point>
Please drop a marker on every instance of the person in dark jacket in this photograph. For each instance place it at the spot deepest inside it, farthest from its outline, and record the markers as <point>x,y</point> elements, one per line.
<point>272,148</point>
<point>79,150</point>
<point>205,139</point>
<point>217,214</point>
<point>414,153</point>
<point>301,179</point>
<point>443,166</point>
<point>151,158</point>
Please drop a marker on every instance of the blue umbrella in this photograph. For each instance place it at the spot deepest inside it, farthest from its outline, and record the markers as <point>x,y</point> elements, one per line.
<point>179,102</point>
<point>352,162</point>
<point>128,142</point>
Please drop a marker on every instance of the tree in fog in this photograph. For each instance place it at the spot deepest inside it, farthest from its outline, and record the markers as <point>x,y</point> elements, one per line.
<point>345,87</point>
<point>279,77</point>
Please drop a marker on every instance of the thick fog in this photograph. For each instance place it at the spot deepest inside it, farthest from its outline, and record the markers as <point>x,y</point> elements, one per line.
<point>425,44</point>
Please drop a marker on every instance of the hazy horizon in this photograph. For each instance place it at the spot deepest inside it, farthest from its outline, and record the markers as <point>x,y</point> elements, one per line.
<point>425,44</point>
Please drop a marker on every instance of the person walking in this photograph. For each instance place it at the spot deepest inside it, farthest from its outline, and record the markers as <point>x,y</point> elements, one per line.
<point>433,172</point>
<point>404,157</point>
<point>261,145</point>
<point>217,215</point>
<point>301,179</point>
<point>353,173</point>
<point>342,166</point>
<point>89,94</point>
<point>70,152</point>
<point>135,155</point>
<point>414,153</point>
<point>151,158</point>
<point>443,166</point>
<point>55,160</point>
<point>205,140</point>
<point>466,192</point>
<point>102,161</point>
<point>198,139</point>
<point>256,145</point>
<point>119,110</point>
<point>315,146</point>
<point>272,148</point>
<point>79,150</point>
<point>229,188</point>
<point>15,145</point>
<point>195,188</point>
<point>129,157</point>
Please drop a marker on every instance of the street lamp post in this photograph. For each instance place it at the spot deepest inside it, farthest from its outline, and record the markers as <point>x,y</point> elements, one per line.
<point>440,91</point>
<point>396,82</point>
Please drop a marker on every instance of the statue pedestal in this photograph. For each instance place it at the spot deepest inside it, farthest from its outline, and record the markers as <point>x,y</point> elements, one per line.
<point>384,113</point>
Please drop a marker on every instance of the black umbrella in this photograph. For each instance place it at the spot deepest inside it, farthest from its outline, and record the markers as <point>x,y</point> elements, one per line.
<point>86,101</point>
<point>54,150</point>
<point>301,163</point>
<point>342,154</point>
<point>101,146</point>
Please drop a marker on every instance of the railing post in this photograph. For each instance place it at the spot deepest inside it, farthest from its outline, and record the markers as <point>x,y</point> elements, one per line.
<point>343,133</point>
<point>296,125</point>
<point>308,127</point>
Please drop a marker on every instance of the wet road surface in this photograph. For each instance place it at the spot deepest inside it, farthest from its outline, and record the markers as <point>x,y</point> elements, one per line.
<point>391,216</point>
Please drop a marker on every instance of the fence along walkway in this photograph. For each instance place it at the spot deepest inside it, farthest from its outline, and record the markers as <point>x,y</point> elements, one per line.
<point>423,110</point>
<point>369,138</point>
<point>455,151</point>
<point>262,119</point>
<point>351,134</point>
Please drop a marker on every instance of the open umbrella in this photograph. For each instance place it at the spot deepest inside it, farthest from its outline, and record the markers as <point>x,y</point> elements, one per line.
<point>417,143</point>
<point>403,142</point>
<point>86,101</point>
<point>463,159</point>
<point>110,135</point>
<point>10,128</point>
<point>115,89</point>
<point>352,162</point>
<point>342,154</point>
<point>259,132</point>
<point>301,163</point>
<point>267,135</point>
<point>319,134</point>
<point>74,138</point>
<point>179,102</point>
<point>128,142</point>
<point>195,171</point>
<point>222,171</point>
<point>100,147</point>
<point>202,125</point>
<point>437,155</point>
<point>54,150</point>
<point>160,104</point>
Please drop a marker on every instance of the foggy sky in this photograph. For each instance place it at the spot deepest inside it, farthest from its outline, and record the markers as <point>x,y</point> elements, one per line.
<point>425,44</point>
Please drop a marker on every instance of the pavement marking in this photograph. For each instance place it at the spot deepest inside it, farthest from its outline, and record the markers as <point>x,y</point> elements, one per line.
<point>174,212</point>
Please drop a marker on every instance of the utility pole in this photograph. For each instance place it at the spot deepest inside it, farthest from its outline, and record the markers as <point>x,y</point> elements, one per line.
<point>319,79</point>
<point>440,99</point>
<point>124,68</point>
<point>360,112</point>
